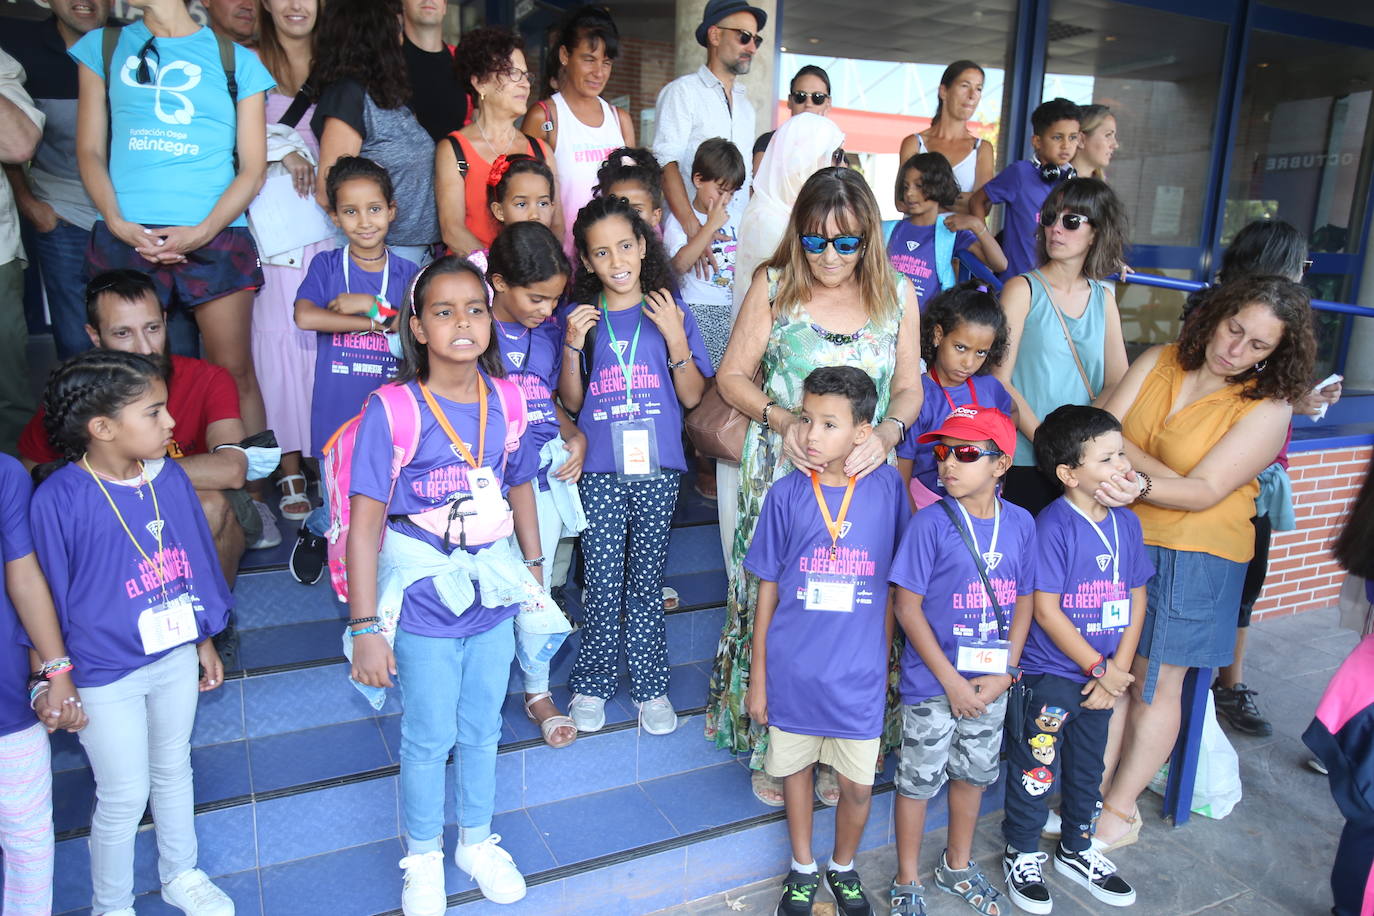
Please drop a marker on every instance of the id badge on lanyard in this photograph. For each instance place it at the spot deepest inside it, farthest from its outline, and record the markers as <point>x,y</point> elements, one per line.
<point>830,593</point>
<point>634,440</point>
<point>987,654</point>
<point>1116,613</point>
<point>168,625</point>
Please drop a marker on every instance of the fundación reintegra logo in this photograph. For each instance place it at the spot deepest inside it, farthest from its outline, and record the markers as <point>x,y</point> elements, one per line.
<point>170,83</point>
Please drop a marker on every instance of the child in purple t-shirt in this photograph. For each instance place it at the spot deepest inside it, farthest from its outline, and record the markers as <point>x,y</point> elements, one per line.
<point>962,651</point>
<point>1090,581</point>
<point>1024,185</point>
<point>963,338</point>
<point>926,191</point>
<point>633,362</point>
<point>351,294</point>
<point>818,671</point>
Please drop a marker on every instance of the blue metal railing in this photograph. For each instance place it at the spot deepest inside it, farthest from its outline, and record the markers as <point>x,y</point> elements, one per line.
<point>1188,286</point>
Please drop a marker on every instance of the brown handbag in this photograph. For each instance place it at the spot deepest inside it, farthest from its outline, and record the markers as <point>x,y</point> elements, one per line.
<point>716,429</point>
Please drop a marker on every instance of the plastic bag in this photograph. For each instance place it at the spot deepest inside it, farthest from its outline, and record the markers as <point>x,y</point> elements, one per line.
<point>1217,789</point>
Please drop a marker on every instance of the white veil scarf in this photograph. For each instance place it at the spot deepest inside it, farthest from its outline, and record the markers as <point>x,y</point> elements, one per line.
<point>802,146</point>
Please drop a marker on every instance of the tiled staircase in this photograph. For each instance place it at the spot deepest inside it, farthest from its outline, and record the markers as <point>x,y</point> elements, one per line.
<point>297,807</point>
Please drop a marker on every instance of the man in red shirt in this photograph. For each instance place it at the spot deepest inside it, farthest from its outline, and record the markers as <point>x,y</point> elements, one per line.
<point>123,313</point>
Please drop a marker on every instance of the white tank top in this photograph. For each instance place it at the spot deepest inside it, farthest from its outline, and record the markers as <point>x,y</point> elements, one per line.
<point>964,172</point>
<point>580,152</point>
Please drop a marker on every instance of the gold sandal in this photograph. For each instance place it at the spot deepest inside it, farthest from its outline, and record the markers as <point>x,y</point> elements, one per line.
<point>552,724</point>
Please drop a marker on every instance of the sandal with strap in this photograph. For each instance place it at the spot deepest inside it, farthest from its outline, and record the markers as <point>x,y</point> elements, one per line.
<point>550,726</point>
<point>761,782</point>
<point>827,786</point>
<point>293,497</point>
<point>1129,838</point>
<point>971,884</point>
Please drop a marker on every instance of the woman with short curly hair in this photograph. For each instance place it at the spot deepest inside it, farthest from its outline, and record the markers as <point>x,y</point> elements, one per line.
<point>490,64</point>
<point>1201,418</point>
<point>363,111</point>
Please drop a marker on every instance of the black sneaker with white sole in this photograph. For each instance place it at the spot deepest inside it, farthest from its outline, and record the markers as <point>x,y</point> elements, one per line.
<point>1095,872</point>
<point>848,891</point>
<point>308,557</point>
<point>1026,882</point>
<point>798,893</point>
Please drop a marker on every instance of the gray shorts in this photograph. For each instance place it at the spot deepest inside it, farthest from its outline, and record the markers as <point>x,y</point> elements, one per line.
<point>937,747</point>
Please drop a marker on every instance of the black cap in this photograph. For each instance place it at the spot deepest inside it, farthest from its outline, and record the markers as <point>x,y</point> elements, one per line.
<point>716,10</point>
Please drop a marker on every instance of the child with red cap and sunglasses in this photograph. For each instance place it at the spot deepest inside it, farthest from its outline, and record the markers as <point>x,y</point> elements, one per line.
<point>964,573</point>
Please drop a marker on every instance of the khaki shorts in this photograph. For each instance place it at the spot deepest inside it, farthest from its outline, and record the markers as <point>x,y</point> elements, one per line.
<point>790,753</point>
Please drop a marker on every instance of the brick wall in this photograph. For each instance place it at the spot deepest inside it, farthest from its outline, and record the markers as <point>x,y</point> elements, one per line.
<point>1302,575</point>
<point>643,68</point>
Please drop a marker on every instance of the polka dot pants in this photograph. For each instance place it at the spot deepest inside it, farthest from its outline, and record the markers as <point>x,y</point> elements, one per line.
<point>623,600</point>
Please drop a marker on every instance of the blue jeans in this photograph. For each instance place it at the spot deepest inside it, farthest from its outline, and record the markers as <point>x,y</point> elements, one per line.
<point>452,691</point>
<point>61,257</point>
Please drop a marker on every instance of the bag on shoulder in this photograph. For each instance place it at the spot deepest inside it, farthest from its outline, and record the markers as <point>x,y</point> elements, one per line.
<point>403,418</point>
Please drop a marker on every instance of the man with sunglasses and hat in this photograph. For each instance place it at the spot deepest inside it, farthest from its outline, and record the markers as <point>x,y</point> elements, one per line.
<point>709,103</point>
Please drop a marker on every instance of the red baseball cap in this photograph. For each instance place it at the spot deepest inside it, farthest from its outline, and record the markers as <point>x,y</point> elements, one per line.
<point>976,424</point>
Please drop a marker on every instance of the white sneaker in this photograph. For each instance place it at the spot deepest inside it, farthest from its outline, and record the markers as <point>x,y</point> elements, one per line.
<point>194,894</point>
<point>657,716</point>
<point>492,868</point>
<point>423,893</point>
<point>271,534</point>
<point>1054,826</point>
<point>588,713</point>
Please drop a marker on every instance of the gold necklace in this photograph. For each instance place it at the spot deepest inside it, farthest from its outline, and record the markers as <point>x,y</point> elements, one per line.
<point>491,146</point>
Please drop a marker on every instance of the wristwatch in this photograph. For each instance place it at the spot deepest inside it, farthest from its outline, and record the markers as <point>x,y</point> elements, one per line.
<point>1098,668</point>
<point>1015,673</point>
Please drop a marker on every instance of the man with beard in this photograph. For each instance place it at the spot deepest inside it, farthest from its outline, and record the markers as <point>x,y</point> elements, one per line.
<point>709,103</point>
<point>236,20</point>
<point>123,313</point>
<point>50,196</point>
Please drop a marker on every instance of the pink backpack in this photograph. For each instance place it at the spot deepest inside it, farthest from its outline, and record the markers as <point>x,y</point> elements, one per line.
<point>403,416</point>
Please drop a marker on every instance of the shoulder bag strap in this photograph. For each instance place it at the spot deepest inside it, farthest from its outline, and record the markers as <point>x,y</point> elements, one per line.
<point>536,148</point>
<point>458,155</point>
<point>292,116</point>
<point>226,60</point>
<point>978,564</point>
<point>1068,338</point>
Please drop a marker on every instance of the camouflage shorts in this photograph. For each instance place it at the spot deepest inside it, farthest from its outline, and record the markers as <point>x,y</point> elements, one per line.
<point>937,747</point>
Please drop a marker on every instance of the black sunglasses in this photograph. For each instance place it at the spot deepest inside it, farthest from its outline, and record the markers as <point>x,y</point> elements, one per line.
<point>964,454</point>
<point>746,36</point>
<point>143,74</point>
<point>817,98</point>
<point>1072,221</point>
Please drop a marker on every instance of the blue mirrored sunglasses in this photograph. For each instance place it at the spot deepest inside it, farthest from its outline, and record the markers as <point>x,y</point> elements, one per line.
<point>844,244</point>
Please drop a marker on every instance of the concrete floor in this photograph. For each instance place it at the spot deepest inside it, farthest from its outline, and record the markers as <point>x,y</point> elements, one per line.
<point>1271,857</point>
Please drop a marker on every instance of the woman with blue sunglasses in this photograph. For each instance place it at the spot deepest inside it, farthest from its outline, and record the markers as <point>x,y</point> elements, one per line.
<point>827,297</point>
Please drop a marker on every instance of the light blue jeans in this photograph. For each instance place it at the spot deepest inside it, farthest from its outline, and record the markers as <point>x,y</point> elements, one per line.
<point>451,690</point>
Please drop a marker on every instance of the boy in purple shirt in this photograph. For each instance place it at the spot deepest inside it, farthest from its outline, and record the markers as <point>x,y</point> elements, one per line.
<point>1090,577</point>
<point>1024,185</point>
<point>962,648</point>
<point>818,672</point>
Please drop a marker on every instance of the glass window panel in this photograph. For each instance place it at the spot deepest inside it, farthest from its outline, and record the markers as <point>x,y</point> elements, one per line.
<point>1164,97</point>
<point>1303,142</point>
<point>1340,10</point>
<point>1150,315</point>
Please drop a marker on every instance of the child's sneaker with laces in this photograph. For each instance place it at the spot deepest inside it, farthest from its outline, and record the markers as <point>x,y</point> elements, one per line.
<point>906,899</point>
<point>194,894</point>
<point>588,713</point>
<point>492,868</point>
<point>848,891</point>
<point>798,893</point>
<point>969,883</point>
<point>1095,872</point>
<point>1026,881</point>
<point>423,893</point>
<point>657,716</point>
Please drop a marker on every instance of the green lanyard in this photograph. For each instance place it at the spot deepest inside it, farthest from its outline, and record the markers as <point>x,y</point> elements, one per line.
<point>625,367</point>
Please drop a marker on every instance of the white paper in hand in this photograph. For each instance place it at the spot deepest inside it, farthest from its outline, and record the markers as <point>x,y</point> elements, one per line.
<point>283,220</point>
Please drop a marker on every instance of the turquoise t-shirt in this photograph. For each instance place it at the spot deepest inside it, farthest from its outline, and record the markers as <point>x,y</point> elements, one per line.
<point>171,139</point>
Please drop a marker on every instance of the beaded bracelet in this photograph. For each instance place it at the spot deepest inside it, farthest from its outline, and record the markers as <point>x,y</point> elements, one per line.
<point>36,691</point>
<point>56,666</point>
<point>373,628</point>
<point>1149,484</point>
<point>537,561</point>
<point>357,620</point>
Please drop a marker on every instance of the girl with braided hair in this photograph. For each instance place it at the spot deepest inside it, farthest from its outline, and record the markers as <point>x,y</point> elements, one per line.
<point>138,590</point>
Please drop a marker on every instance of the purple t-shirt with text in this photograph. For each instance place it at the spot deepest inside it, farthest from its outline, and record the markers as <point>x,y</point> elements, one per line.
<point>427,481</point>
<point>349,366</point>
<point>15,543</point>
<point>933,562</point>
<point>987,392</point>
<point>1021,188</point>
<point>533,358</point>
<point>652,391</point>
<point>1074,563</point>
<point>827,670</point>
<point>101,582</point>
<point>911,249</point>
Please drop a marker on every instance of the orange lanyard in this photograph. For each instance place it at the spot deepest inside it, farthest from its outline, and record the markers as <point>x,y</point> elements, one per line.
<point>972,392</point>
<point>459,447</point>
<point>832,525</point>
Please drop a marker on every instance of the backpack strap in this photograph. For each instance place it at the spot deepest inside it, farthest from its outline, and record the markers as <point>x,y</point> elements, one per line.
<point>944,253</point>
<point>299,104</point>
<point>513,408</point>
<point>226,60</point>
<point>109,37</point>
<point>458,154</point>
<point>536,148</point>
<point>403,416</point>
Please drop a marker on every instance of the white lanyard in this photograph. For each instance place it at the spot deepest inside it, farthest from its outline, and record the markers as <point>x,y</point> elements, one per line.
<point>1114,551</point>
<point>386,271</point>
<point>992,557</point>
